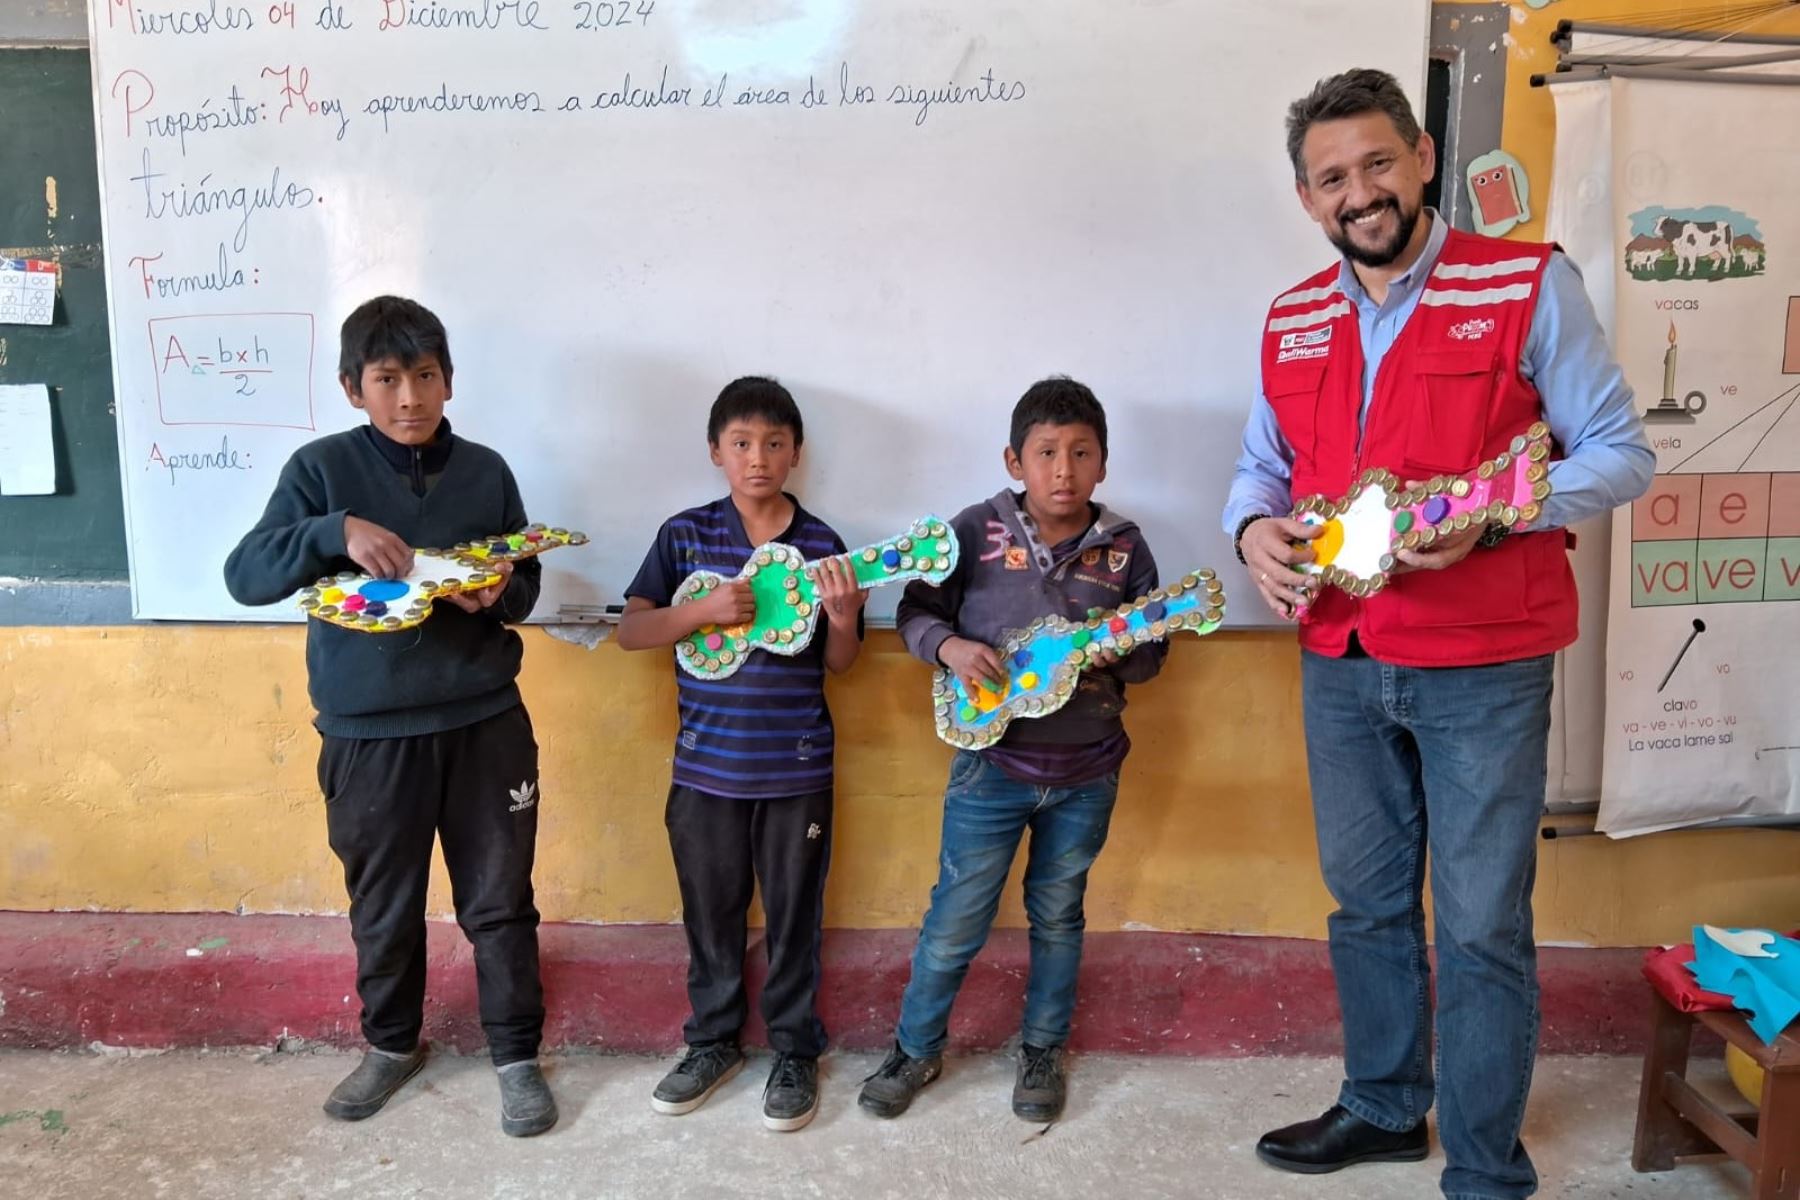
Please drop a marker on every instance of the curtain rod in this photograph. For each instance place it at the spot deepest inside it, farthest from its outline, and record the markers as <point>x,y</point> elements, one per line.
<point>1566,27</point>
<point>1589,74</point>
<point>1686,62</point>
<point>1555,833</point>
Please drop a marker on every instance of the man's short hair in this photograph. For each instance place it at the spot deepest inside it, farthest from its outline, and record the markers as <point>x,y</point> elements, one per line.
<point>1351,94</point>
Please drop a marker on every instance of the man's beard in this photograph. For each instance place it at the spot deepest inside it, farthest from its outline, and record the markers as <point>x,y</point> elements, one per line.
<point>1386,252</point>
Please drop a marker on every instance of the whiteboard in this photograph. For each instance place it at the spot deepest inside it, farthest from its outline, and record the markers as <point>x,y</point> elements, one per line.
<point>907,213</point>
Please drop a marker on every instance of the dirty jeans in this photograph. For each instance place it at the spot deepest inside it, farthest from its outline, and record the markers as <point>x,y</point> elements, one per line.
<point>986,813</point>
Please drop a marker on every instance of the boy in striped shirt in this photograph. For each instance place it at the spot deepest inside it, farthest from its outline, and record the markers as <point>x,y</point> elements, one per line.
<point>751,797</point>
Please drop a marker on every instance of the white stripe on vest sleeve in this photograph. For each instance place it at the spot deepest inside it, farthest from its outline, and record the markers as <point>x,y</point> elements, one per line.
<point>1305,296</point>
<point>1439,297</point>
<point>1318,316</point>
<point>1511,266</point>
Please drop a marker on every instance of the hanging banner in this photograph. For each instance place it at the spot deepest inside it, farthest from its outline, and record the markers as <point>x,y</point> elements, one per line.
<point>1702,714</point>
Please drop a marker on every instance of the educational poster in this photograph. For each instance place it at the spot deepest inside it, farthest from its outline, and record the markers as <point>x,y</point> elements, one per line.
<point>1703,646</point>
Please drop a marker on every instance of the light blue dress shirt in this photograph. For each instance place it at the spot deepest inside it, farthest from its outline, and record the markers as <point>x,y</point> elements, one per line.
<point>1587,403</point>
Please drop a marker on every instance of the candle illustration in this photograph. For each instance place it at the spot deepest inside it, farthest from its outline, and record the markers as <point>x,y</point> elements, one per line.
<point>1669,410</point>
<point>1668,396</point>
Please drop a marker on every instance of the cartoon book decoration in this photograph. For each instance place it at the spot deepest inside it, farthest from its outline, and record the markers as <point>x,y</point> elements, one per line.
<point>787,597</point>
<point>371,605</point>
<point>1378,517</point>
<point>1044,660</point>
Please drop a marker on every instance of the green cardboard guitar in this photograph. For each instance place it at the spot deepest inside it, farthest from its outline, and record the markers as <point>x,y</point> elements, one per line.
<point>787,596</point>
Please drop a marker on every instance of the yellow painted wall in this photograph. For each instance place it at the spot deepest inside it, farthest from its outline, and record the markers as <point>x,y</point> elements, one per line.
<point>171,768</point>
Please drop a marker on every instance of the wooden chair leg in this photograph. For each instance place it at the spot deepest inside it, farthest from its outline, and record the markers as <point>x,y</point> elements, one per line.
<point>1777,1177</point>
<point>1662,1135</point>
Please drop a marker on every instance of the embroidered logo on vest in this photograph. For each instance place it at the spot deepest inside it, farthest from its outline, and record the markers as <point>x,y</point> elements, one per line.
<point>1473,329</point>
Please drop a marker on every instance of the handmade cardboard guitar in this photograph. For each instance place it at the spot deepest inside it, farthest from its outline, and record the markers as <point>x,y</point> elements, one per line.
<point>370,605</point>
<point>787,595</point>
<point>1044,660</point>
<point>1378,516</point>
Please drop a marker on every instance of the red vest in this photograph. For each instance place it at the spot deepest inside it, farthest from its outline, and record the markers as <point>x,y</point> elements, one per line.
<point>1448,395</point>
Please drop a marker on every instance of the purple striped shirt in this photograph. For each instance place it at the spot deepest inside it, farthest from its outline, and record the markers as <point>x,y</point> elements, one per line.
<point>766,730</point>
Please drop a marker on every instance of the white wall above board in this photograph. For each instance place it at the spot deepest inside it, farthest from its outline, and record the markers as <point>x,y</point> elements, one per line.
<point>906,212</point>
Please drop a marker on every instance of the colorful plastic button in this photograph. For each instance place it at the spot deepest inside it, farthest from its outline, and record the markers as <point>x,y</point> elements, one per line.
<point>714,642</point>
<point>1094,612</point>
<point>383,589</point>
<point>1436,509</point>
<point>534,536</point>
<point>1403,521</point>
<point>516,541</point>
<point>1080,638</point>
<point>376,609</point>
<point>1118,625</point>
<point>331,595</point>
<point>890,558</point>
<point>1028,680</point>
<point>354,603</point>
<point>1022,658</point>
<point>968,712</point>
<point>498,547</point>
<point>1155,611</point>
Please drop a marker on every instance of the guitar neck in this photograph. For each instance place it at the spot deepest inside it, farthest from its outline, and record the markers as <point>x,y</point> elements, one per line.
<point>927,551</point>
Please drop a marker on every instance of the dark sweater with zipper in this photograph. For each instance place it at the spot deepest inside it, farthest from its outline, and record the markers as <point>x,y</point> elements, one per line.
<point>455,669</point>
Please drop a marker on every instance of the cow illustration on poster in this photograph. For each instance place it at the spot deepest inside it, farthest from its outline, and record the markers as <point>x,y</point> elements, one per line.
<point>1710,243</point>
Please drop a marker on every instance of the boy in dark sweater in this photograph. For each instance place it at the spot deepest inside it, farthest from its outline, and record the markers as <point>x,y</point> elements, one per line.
<point>1049,551</point>
<point>424,733</point>
<point>751,797</point>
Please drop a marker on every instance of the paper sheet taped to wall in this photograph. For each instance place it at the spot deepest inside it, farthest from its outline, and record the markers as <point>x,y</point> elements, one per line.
<point>27,456</point>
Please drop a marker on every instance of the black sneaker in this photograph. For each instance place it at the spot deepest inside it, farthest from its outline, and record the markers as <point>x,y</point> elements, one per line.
<point>889,1091</point>
<point>377,1077</point>
<point>699,1073</point>
<point>1039,1089</point>
<point>526,1106</point>
<point>791,1096</point>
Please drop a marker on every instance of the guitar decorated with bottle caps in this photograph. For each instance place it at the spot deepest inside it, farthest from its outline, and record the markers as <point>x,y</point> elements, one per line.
<point>787,597</point>
<point>1378,517</point>
<point>370,605</point>
<point>1044,660</point>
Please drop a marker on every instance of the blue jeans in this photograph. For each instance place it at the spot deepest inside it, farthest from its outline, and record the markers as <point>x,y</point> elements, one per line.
<point>986,812</point>
<point>1451,760</point>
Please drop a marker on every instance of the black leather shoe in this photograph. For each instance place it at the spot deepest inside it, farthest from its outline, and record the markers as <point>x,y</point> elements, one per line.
<point>1337,1140</point>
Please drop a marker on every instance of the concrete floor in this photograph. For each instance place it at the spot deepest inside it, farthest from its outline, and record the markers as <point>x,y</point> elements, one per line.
<point>236,1125</point>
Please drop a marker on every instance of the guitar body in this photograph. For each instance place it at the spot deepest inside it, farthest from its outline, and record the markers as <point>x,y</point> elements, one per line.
<point>787,596</point>
<point>1045,660</point>
<point>1379,516</point>
<point>370,605</point>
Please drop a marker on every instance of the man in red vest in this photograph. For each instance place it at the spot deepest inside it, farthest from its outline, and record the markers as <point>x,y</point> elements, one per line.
<point>1427,705</point>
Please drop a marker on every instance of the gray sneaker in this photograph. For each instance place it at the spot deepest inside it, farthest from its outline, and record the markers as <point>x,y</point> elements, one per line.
<point>377,1077</point>
<point>889,1091</point>
<point>526,1106</point>
<point>696,1076</point>
<point>791,1096</point>
<point>1039,1089</point>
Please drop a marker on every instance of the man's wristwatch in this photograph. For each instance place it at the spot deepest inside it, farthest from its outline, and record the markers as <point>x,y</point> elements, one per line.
<point>1237,538</point>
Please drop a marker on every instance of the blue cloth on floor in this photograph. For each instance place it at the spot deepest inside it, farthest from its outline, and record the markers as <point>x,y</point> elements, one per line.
<point>1766,989</point>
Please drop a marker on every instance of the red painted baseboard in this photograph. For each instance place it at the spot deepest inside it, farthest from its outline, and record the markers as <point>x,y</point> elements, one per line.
<point>148,980</point>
